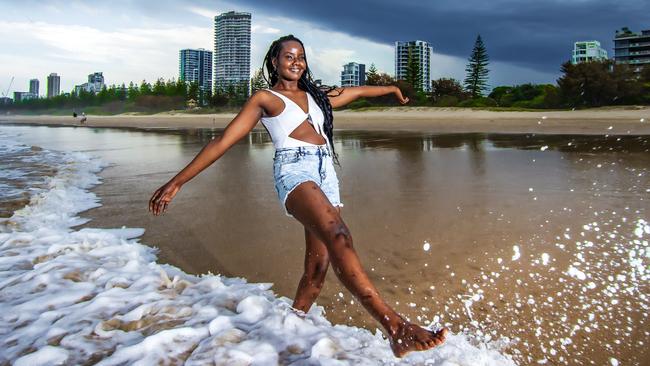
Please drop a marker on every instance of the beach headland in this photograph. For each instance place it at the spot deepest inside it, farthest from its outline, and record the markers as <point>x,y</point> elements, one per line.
<point>612,121</point>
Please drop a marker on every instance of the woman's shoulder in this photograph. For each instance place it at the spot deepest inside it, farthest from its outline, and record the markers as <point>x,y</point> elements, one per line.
<point>265,99</point>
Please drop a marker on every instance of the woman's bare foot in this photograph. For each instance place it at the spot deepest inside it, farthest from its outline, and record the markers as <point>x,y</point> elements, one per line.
<point>407,337</point>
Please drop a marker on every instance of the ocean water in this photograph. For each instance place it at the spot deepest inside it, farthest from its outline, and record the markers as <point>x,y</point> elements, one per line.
<point>75,295</point>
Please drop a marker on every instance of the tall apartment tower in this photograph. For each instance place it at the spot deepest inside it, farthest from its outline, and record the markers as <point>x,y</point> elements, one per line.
<point>353,74</point>
<point>53,85</point>
<point>632,48</point>
<point>195,66</point>
<point>585,51</point>
<point>232,50</point>
<point>33,87</point>
<point>96,81</point>
<point>421,50</point>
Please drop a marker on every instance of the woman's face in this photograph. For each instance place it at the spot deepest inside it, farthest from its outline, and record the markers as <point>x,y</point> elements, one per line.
<point>291,62</point>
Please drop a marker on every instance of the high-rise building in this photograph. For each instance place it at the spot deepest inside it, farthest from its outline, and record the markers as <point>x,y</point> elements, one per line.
<point>421,51</point>
<point>33,86</point>
<point>195,66</point>
<point>585,51</point>
<point>96,81</point>
<point>232,51</point>
<point>94,85</point>
<point>20,96</point>
<point>53,85</point>
<point>353,74</point>
<point>632,48</point>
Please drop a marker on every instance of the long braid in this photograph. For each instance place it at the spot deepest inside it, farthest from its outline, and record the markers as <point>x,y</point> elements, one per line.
<point>305,83</point>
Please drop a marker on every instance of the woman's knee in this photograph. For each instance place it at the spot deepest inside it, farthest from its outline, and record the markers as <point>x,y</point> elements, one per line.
<point>338,234</point>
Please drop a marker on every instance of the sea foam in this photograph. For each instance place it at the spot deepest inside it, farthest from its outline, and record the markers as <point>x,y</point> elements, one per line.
<point>77,296</point>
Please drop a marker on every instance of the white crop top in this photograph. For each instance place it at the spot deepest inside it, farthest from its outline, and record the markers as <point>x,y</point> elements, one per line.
<point>281,126</point>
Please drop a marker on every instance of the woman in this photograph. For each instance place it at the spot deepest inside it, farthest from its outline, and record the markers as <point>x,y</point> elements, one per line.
<point>298,116</point>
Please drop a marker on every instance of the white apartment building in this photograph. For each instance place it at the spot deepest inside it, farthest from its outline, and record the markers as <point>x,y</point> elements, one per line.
<point>421,50</point>
<point>232,50</point>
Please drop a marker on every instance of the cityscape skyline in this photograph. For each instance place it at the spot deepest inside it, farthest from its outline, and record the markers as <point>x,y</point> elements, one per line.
<point>39,42</point>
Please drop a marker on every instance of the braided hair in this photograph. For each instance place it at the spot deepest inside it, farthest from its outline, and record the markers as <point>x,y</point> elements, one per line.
<point>306,83</point>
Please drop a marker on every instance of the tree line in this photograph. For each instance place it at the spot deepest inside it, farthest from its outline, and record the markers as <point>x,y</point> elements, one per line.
<point>162,95</point>
<point>590,84</point>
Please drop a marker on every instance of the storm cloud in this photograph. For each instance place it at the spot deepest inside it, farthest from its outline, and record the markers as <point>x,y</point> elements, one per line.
<point>533,34</point>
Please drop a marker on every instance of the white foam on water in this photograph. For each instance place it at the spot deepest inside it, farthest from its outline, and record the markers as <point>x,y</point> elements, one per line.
<point>96,295</point>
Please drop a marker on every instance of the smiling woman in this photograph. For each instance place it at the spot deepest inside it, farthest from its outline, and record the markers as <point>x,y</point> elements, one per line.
<point>298,116</point>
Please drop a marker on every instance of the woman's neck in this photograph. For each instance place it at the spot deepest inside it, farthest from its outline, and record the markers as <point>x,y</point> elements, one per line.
<point>282,84</point>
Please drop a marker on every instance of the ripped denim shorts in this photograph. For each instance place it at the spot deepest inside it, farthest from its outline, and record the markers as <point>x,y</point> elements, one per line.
<point>295,165</point>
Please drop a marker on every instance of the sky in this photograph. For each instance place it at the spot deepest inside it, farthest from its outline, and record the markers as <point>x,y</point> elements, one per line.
<point>130,40</point>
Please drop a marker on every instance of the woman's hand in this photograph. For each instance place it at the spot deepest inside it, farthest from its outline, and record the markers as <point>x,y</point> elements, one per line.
<point>402,99</point>
<point>162,196</point>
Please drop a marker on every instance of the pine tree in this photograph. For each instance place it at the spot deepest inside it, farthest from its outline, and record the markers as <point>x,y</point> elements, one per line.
<point>372,75</point>
<point>132,92</point>
<point>413,72</point>
<point>477,71</point>
<point>257,81</point>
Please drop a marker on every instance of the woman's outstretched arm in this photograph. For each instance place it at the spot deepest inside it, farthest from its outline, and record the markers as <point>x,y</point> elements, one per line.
<point>343,96</point>
<point>242,124</point>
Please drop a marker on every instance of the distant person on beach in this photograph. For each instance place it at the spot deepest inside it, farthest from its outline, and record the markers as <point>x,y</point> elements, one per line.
<point>83,118</point>
<point>298,116</point>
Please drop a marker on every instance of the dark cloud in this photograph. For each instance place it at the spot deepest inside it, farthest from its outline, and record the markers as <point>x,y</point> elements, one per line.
<point>536,34</point>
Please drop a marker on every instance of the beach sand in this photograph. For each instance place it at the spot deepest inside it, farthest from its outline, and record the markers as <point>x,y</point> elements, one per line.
<point>612,121</point>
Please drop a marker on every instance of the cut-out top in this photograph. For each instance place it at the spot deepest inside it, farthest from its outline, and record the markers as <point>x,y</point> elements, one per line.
<point>281,126</point>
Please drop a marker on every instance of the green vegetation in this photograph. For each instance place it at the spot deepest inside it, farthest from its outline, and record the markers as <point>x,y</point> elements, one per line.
<point>527,96</point>
<point>477,71</point>
<point>413,72</point>
<point>144,98</point>
<point>599,83</point>
<point>257,81</point>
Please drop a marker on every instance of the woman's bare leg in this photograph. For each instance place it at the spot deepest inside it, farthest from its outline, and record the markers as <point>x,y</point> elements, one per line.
<point>310,206</point>
<point>316,263</point>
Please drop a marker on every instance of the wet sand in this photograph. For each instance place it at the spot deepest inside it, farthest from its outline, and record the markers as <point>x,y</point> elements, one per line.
<point>477,231</point>
<point>619,121</point>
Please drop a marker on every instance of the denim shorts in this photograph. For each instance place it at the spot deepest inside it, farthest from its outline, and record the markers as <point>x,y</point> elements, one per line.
<point>295,165</point>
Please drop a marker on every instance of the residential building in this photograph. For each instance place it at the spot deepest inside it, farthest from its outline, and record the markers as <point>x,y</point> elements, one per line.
<point>353,74</point>
<point>33,86</point>
<point>195,66</point>
<point>96,82</point>
<point>53,85</point>
<point>5,101</point>
<point>421,51</point>
<point>232,51</point>
<point>632,48</point>
<point>20,96</point>
<point>585,51</point>
<point>94,85</point>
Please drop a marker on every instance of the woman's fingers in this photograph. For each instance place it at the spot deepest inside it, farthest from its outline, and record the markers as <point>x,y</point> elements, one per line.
<point>161,199</point>
<point>161,204</point>
<point>153,199</point>
<point>156,201</point>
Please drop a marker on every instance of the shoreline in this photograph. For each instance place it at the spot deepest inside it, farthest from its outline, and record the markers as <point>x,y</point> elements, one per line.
<point>417,119</point>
